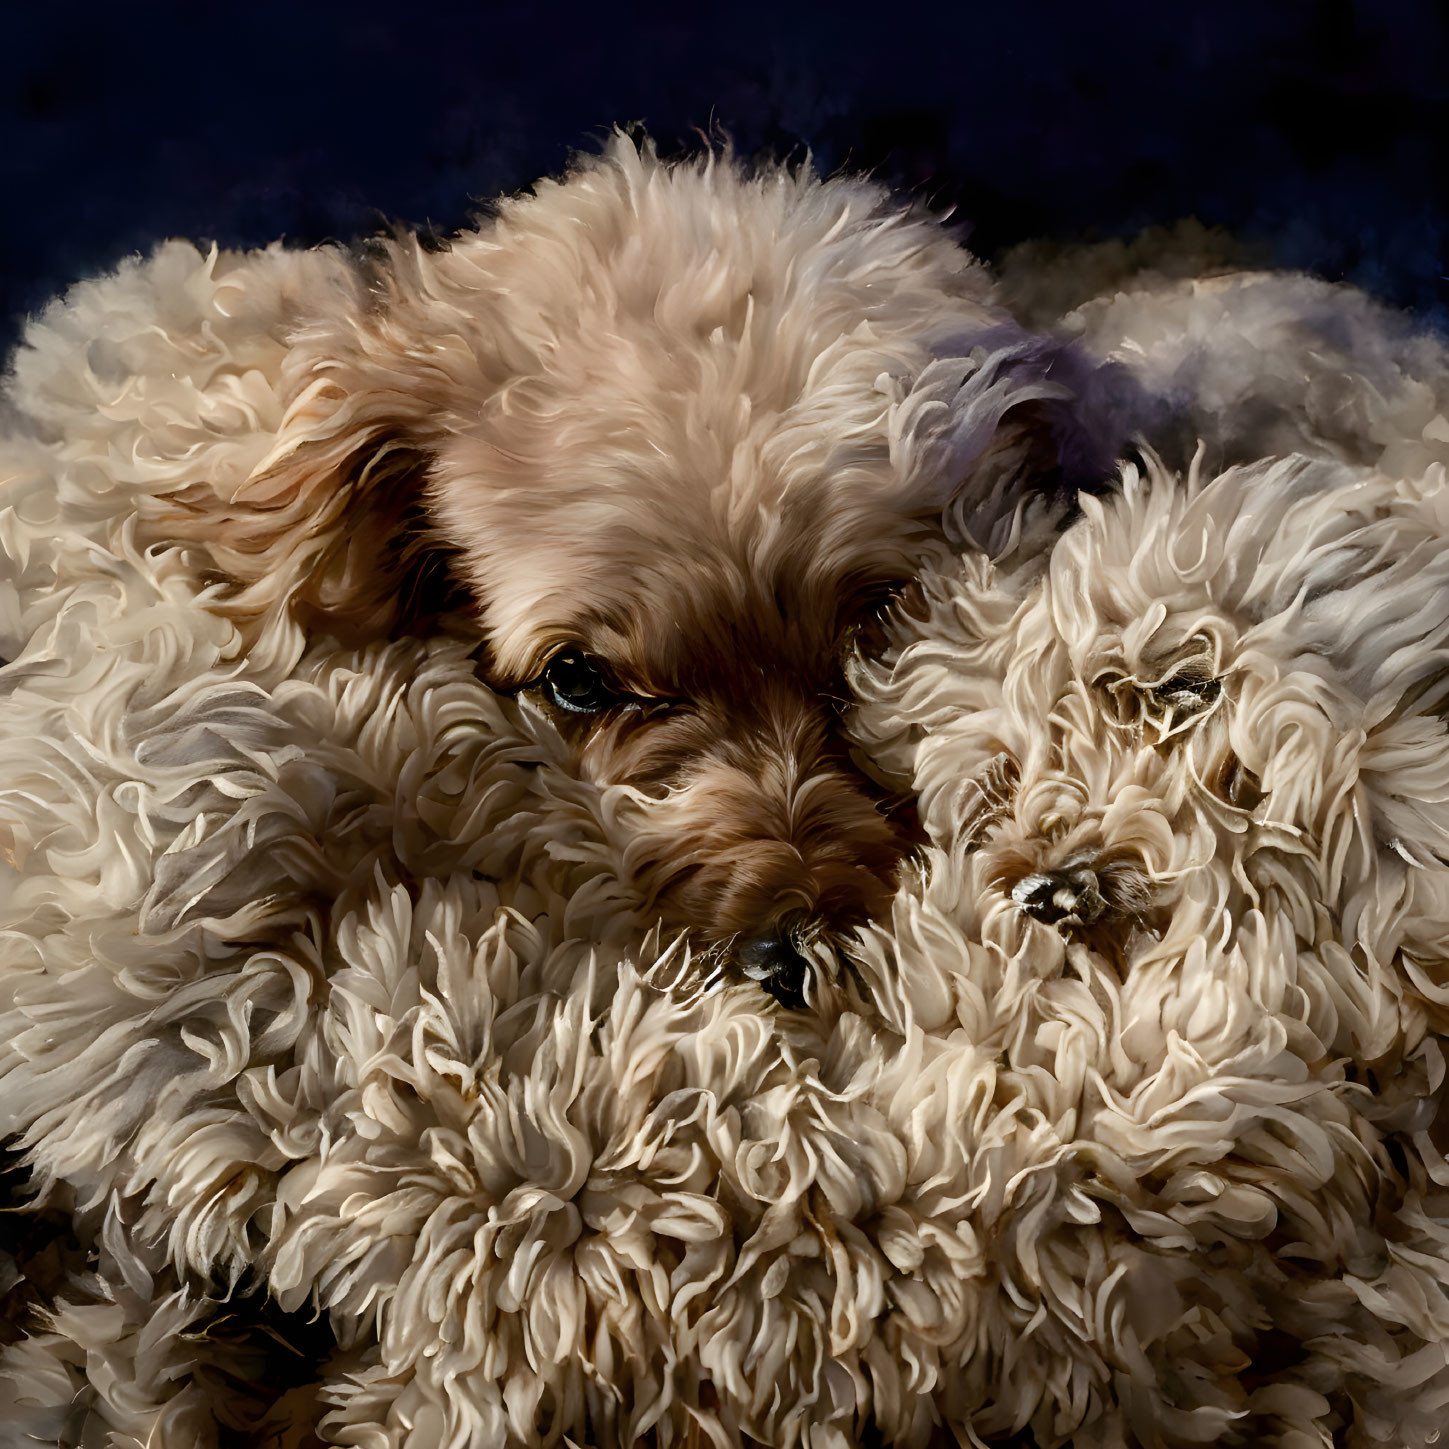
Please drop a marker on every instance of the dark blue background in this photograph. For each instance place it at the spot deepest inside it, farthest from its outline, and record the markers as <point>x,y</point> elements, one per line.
<point>1317,126</point>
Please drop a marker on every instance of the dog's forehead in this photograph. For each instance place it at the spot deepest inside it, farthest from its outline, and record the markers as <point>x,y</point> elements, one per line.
<point>1166,555</point>
<point>676,535</point>
<point>1291,563</point>
<point>693,315</point>
<point>679,432</point>
<point>670,622</point>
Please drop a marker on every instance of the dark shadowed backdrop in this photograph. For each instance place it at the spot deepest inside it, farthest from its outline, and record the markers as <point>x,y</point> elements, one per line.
<point>1316,128</point>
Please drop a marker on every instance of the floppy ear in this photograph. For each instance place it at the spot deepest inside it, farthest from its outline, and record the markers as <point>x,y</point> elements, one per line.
<point>329,524</point>
<point>1001,415</point>
<point>331,528</point>
<point>1073,431</point>
<point>1350,568</point>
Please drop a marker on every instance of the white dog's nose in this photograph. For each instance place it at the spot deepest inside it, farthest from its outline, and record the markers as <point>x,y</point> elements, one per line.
<point>1071,896</point>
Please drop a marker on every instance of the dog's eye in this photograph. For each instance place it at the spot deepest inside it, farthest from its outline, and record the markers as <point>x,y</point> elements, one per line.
<point>574,682</point>
<point>1169,704</point>
<point>1186,692</point>
<point>1185,696</point>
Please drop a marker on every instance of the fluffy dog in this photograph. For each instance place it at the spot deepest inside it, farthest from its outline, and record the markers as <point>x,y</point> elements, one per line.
<point>677,431</point>
<point>1181,945</point>
<point>1245,364</point>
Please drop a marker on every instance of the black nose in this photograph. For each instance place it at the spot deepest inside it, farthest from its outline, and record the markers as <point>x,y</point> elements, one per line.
<point>777,966</point>
<point>1071,895</point>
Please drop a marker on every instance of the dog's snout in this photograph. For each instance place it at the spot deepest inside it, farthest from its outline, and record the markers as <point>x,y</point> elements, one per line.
<point>1071,896</point>
<point>730,856</point>
<point>771,959</point>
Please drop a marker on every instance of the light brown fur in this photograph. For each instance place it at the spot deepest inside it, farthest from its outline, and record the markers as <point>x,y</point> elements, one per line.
<point>690,423</point>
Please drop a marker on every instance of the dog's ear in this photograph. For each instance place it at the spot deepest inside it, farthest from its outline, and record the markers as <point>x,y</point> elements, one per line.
<point>1343,575</point>
<point>1002,415</point>
<point>330,524</point>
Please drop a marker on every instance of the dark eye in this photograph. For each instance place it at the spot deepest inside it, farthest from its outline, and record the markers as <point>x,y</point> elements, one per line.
<point>575,683</point>
<point>1186,692</point>
<point>1171,704</point>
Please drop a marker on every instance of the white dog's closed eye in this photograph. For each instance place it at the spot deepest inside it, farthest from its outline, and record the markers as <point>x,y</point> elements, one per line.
<point>1169,699</point>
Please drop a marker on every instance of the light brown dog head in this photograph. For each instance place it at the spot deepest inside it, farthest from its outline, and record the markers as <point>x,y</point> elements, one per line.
<point>677,430</point>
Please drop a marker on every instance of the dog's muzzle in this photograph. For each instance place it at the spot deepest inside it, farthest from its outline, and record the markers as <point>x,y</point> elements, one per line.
<point>1104,888</point>
<point>1068,897</point>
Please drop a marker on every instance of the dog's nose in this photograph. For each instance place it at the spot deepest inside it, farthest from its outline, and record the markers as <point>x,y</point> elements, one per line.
<point>772,961</point>
<point>1072,895</point>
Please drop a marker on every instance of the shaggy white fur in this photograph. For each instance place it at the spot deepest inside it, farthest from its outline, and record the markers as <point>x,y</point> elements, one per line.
<point>316,986</point>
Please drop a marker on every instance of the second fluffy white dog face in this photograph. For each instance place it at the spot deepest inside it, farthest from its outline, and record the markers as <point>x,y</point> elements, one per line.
<point>1212,712</point>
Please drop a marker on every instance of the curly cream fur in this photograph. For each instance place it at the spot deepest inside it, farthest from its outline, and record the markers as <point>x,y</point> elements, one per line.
<point>321,979</point>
